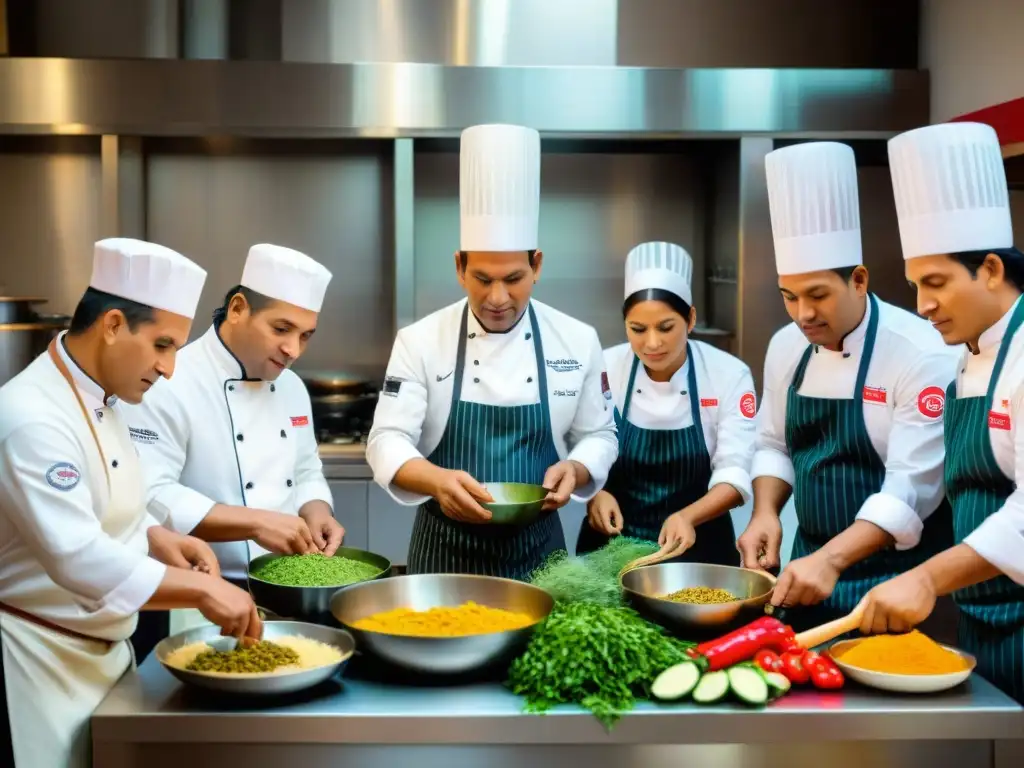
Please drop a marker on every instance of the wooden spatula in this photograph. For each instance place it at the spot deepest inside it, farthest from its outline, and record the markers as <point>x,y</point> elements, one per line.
<point>833,629</point>
<point>674,548</point>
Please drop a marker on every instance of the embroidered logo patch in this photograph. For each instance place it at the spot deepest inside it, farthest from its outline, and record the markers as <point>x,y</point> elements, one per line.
<point>564,365</point>
<point>748,405</point>
<point>931,402</point>
<point>998,420</point>
<point>144,436</point>
<point>300,421</point>
<point>874,394</point>
<point>392,385</point>
<point>63,476</point>
<point>710,402</point>
<point>606,388</point>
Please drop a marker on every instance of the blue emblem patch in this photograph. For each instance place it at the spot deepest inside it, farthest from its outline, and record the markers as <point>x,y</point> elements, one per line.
<point>63,476</point>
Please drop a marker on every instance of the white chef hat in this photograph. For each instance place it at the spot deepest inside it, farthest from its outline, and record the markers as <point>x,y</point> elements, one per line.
<point>286,275</point>
<point>950,189</point>
<point>660,265</point>
<point>812,195</point>
<point>148,274</point>
<point>499,188</point>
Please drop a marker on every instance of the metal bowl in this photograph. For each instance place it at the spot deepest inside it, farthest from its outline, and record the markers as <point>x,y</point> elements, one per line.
<point>441,655</point>
<point>514,503</point>
<point>645,587</point>
<point>886,681</point>
<point>258,684</point>
<point>306,603</point>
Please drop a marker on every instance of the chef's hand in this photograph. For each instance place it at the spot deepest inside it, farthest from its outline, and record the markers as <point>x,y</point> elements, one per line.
<point>678,528</point>
<point>459,496</point>
<point>900,604</point>
<point>179,551</point>
<point>232,609</point>
<point>760,543</point>
<point>806,581</point>
<point>561,479</point>
<point>327,532</point>
<point>282,534</point>
<point>604,515</point>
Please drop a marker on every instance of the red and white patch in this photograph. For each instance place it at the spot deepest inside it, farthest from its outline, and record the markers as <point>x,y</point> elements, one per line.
<point>748,405</point>
<point>874,395</point>
<point>709,402</point>
<point>998,420</point>
<point>606,388</point>
<point>300,421</point>
<point>931,402</point>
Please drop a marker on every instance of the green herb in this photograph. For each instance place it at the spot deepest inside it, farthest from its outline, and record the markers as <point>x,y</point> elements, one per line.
<point>601,658</point>
<point>594,577</point>
<point>263,656</point>
<point>315,570</point>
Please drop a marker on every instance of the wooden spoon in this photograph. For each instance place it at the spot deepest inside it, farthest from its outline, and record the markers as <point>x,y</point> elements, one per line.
<point>672,549</point>
<point>814,637</point>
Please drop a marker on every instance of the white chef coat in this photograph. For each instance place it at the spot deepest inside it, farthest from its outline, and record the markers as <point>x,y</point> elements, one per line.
<point>74,554</point>
<point>727,406</point>
<point>1000,539</point>
<point>208,436</point>
<point>909,366</point>
<point>501,369</point>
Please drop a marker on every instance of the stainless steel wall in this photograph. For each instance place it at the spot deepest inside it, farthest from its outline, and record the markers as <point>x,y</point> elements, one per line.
<point>213,200</point>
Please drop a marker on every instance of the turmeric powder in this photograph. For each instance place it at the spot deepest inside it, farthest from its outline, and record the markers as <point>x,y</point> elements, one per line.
<point>909,654</point>
<point>467,619</point>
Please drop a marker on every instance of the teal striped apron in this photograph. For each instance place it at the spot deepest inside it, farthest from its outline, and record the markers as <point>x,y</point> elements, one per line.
<point>837,468</point>
<point>494,444</point>
<point>659,472</point>
<point>992,612</point>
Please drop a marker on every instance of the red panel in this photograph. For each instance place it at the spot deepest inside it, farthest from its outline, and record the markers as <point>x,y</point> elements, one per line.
<point>1007,119</point>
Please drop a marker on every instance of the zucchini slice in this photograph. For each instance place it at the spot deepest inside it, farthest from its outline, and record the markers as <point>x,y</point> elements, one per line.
<point>712,688</point>
<point>676,682</point>
<point>748,685</point>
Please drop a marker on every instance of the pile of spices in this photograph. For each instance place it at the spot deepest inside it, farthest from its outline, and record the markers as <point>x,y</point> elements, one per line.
<point>701,596</point>
<point>909,654</point>
<point>598,657</point>
<point>593,577</point>
<point>263,656</point>
<point>467,619</point>
<point>315,570</point>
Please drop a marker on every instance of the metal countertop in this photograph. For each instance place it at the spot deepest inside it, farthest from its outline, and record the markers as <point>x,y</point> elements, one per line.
<point>149,705</point>
<point>345,462</point>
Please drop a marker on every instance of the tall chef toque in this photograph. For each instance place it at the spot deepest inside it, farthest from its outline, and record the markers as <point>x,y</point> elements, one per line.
<point>286,275</point>
<point>499,188</point>
<point>148,274</point>
<point>660,265</point>
<point>950,189</point>
<point>812,194</point>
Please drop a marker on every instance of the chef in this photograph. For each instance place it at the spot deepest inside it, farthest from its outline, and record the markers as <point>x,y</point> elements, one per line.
<point>494,388</point>
<point>74,570</point>
<point>851,419</point>
<point>685,417</point>
<point>228,444</point>
<point>954,217</point>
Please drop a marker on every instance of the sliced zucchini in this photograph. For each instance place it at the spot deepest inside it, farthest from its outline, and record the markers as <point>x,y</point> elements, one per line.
<point>778,684</point>
<point>675,682</point>
<point>711,688</point>
<point>748,685</point>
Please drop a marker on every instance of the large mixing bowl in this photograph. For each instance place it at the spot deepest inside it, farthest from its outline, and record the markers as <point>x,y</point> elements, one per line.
<point>306,603</point>
<point>645,588</point>
<point>258,685</point>
<point>441,655</point>
<point>514,503</point>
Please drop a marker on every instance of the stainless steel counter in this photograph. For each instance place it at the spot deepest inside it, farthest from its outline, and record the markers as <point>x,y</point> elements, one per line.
<point>345,462</point>
<point>151,720</point>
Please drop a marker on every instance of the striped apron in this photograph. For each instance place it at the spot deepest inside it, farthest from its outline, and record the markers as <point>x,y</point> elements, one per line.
<point>992,612</point>
<point>659,472</point>
<point>494,444</point>
<point>837,468</point>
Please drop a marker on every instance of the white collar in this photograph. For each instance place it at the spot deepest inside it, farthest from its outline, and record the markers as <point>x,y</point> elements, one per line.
<point>91,391</point>
<point>854,340</point>
<point>475,330</point>
<point>678,381</point>
<point>228,365</point>
<point>993,335</point>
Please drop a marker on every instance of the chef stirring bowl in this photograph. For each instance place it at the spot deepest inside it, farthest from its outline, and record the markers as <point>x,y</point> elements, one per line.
<point>645,588</point>
<point>887,681</point>
<point>514,503</point>
<point>441,655</point>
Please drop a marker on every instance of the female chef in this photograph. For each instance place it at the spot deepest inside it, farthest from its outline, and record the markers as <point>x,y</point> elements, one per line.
<point>685,417</point>
<point>954,216</point>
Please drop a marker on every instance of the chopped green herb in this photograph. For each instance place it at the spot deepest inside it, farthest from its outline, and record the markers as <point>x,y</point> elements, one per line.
<point>593,577</point>
<point>315,570</point>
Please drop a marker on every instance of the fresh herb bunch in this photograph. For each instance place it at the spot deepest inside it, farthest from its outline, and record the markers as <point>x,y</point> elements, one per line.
<point>594,577</point>
<point>599,657</point>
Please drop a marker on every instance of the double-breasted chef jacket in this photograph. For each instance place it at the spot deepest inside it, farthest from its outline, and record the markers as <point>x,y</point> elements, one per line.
<point>73,555</point>
<point>501,370</point>
<point>209,435</point>
<point>903,397</point>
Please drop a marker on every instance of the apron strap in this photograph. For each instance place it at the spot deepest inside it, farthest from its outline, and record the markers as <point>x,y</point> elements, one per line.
<point>691,384</point>
<point>31,619</point>
<point>1004,346</point>
<point>865,359</point>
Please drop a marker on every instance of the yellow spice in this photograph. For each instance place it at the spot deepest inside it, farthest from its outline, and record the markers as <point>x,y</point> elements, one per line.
<point>467,619</point>
<point>911,654</point>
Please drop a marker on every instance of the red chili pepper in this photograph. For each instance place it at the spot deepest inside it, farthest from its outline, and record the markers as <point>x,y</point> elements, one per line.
<point>745,642</point>
<point>793,667</point>
<point>768,660</point>
<point>824,672</point>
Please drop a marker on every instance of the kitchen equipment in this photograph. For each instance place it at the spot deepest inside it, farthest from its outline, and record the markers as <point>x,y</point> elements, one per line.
<point>886,681</point>
<point>644,588</point>
<point>24,333</point>
<point>306,603</point>
<point>343,404</point>
<point>258,684</point>
<point>514,503</point>
<point>441,655</point>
